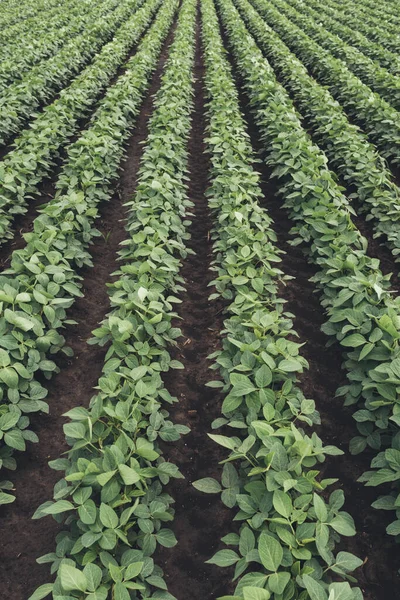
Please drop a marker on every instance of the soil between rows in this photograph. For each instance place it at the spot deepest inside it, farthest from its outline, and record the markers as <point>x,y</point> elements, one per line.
<point>23,540</point>
<point>200,519</point>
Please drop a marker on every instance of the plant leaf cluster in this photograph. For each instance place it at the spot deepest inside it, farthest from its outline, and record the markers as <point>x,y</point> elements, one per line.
<point>43,280</point>
<point>111,500</point>
<point>289,525</point>
<point>363,316</point>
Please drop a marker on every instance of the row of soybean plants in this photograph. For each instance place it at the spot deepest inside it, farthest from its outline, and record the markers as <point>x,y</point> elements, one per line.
<point>46,39</point>
<point>43,279</point>
<point>35,150</point>
<point>111,497</point>
<point>361,313</point>
<point>379,79</point>
<point>355,160</point>
<point>289,522</point>
<point>373,114</point>
<point>20,101</point>
<point>342,25</point>
<point>18,17</point>
<point>378,24</point>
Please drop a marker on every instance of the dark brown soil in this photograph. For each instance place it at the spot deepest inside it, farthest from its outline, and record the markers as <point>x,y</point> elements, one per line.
<point>21,539</point>
<point>200,520</point>
<point>378,577</point>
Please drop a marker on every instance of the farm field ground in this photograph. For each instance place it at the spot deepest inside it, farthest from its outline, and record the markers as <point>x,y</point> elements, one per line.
<point>200,300</point>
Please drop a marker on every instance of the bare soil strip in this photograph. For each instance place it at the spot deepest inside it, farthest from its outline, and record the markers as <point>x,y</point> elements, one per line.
<point>378,576</point>
<point>21,539</point>
<point>200,521</point>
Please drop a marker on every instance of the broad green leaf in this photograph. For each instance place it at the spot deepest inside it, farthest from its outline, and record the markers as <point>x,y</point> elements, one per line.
<point>255,593</point>
<point>108,516</point>
<point>207,485</point>
<point>42,592</point>
<point>58,507</point>
<point>224,558</point>
<point>166,538</point>
<point>278,581</point>
<point>270,551</point>
<point>320,508</point>
<point>315,589</point>
<point>72,579</point>
<point>129,476</point>
<point>282,503</point>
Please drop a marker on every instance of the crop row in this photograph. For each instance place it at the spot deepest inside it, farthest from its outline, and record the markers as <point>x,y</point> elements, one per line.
<point>112,495</point>
<point>288,531</point>
<point>64,24</point>
<point>342,25</point>
<point>367,109</point>
<point>35,150</point>
<point>377,78</point>
<point>348,150</point>
<point>17,19</point>
<point>362,315</point>
<point>43,279</point>
<point>21,100</point>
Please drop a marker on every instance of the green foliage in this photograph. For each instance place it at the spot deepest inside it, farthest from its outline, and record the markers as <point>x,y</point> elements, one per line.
<point>111,499</point>
<point>363,316</point>
<point>32,157</point>
<point>288,529</point>
<point>43,281</point>
<point>20,100</point>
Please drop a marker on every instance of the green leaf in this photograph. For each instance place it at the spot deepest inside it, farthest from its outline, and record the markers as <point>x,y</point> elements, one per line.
<point>263,376</point>
<point>120,592</point>
<point>231,403</point>
<point>242,385</point>
<point>343,524</point>
<point>42,592</point>
<point>315,589</point>
<point>207,485</point>
<point>93,575</point>
<point>72,579</point>
<point>9,376</point>
<point>14,439</point>
<point>4,358</point>
<point>290,366</point>
<point>353,341</point>
<point>224,558</point>
<point>270,551</point>
<point>166,538</point>
<point>6,498</point>
<point>393,528</point>
<point>224,441</point>
<point>108,516</point>
<point>278,581</point>
<point>87,512</point>
<point>129,476</point>
<point>320,508</point>
<point>255,593</point>
<point>58,507</point>
<point>282,503</point>
<point>347,561</point>
<point>133,570</point>
<point>342,591</point>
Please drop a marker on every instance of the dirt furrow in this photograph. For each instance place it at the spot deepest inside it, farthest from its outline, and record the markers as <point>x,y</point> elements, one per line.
<point>21,539</point>
<point>200,520</point>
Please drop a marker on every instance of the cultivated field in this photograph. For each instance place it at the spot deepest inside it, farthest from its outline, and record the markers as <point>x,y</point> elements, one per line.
<point>199,299</point>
